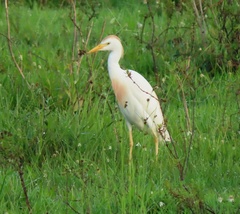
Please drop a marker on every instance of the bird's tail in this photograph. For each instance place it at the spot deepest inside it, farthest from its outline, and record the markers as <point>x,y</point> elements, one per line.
<point>164,134</point>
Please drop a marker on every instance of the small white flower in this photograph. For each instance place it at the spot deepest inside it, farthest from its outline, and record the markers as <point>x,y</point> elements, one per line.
<point>138,144</point>
<point>189,133</point>
<point>220,199</point>
<point>161,204</point>
<point>182,24</point>
<point>231,198</point>
<point>200,49</point>
<point>151,192</point>
<point>79,145</point>
<point>110,147</point>
<point>139,25</point>
<point>39,66</point>
<point>112,20</point>
<point>44,174</point>
<point>202,75</point>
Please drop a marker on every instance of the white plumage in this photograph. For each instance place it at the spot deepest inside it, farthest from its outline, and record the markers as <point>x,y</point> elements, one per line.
<point>135,96</point>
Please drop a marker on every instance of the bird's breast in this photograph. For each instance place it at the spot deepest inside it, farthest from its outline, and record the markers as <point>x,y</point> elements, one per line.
<point>120,91</point>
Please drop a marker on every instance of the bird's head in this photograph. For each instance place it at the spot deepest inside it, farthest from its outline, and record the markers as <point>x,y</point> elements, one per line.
<point>110,43</point>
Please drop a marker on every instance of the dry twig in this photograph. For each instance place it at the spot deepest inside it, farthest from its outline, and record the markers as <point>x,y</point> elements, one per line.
<point>9,41</point>
<point>20,172</point>
<point>200,19</point>
<point>73,3</point>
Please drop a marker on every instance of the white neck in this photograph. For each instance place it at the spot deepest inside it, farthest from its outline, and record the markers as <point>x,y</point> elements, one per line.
<point>113,63</point>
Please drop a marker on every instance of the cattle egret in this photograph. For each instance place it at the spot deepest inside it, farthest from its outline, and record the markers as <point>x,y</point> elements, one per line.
<point>136,98</point>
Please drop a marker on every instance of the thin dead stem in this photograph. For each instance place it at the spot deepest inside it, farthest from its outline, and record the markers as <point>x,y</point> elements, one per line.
<point>10,43</point>
<point>73,3</point>
<point>155,69</point>
<point>21,175</point>
<point>190,125</point>
<point>94,56</point>
<point>187,156</point>
<point>84,47</point>
<point>151,44</point>
<point>188,121</point>
<point>77,56</point>
<point>200,18</point>
<point>73,209</point>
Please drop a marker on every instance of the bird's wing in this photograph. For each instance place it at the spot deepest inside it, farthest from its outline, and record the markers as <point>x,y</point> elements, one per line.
<point>148,104</point>
<point>145,95</point>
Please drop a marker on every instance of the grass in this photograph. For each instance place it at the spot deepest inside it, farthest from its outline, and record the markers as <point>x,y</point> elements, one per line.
<point>73,142</point>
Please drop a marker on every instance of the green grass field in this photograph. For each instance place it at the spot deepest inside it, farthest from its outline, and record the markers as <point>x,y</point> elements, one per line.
<point>63,142</point>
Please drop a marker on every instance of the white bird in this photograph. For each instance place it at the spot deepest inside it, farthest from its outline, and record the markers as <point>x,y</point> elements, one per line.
<point>136,98</point>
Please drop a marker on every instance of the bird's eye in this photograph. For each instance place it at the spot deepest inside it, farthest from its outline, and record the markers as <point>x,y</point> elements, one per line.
<point>108,43</point>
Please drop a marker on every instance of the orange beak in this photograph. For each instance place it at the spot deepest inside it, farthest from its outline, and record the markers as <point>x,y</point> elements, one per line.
<point>97,48</point>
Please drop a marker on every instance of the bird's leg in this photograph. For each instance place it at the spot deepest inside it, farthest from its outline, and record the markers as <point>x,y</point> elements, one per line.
<point>130,144</point>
